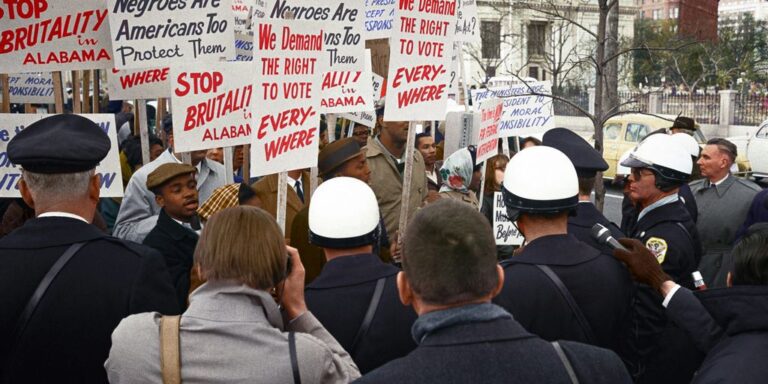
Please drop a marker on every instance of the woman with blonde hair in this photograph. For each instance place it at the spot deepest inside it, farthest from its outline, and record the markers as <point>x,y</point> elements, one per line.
<point>234,330</point>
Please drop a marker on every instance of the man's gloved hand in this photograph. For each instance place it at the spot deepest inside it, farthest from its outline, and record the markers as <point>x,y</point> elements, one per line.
<point>641,262</point>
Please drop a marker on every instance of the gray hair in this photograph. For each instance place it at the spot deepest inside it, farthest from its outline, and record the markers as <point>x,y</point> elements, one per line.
<point>58,187</point>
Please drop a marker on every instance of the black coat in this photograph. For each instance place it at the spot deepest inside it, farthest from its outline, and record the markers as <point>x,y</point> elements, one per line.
<point>599,284</point>
<point>662,350</point>
<point>731,325</point>
<point>580,226</point>
<point>498,351</point>
<point>686,197</point>
<point>177,245</point>
<point>339,298</point>
<point>68,337</point>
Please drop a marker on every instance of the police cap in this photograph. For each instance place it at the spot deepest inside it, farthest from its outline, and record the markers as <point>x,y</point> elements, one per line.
<point>59,144</point>
<point>167,172</point>
<point>584,157</point>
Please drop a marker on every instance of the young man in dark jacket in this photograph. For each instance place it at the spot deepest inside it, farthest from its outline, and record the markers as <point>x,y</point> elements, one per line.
<point>176,232</point>
<point>449,276</point>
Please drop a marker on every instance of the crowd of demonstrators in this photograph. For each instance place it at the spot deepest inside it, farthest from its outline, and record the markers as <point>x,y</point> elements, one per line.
<point>565,308</point>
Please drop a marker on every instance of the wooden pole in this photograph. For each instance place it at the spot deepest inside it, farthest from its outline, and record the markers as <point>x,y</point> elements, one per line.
<point>331,120</point>
<point>5,83</point>
<point>58,92</point>
<point>87,91</point>
<point>407,176</point>
<point>96,91</point>
<point>160,115</point>
<point>482,187</point>
<point>29,108</point>
<point>76,95</point>
<point>247,163</point>
<point>141,115</point>
<point>312,180</point>
<point>282,194</point>
<point>228,166</point>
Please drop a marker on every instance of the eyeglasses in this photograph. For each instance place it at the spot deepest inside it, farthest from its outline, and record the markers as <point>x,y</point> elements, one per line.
<point>637,173</point>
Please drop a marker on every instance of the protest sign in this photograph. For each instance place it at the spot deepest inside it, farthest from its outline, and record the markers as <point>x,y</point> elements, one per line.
<point>44,35</point>
<point>486,132</point>
<point>524,114</point>
<point>453,84</point>
<point>503,229</point>
<point>35,88</point>
<point>108,170</point>
<point>213,106</point>
<point>342,26</point>
<point>347,91</point>
<point>367,118</point>
<point>287,95</point>
<point>467,24</point>
<point>244,12</point>
<point>128,84</point>
<point>379,15</point>
<point>420,60</point>
<point>458,131</point>
<point>160,34</point>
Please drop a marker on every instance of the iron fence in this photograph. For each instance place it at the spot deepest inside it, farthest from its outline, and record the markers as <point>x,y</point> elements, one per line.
<point>580,98</point>
<point>704,108</point>
<point>633,101</point>
<point>751,109</point>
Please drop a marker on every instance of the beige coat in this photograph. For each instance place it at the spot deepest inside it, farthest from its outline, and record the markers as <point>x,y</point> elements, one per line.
<point>468,198</point>
<point>387,184</point>
<point>266,190</point>
<point>229,334</point>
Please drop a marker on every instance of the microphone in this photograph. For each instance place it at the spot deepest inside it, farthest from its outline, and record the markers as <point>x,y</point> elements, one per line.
<point>604,237</point>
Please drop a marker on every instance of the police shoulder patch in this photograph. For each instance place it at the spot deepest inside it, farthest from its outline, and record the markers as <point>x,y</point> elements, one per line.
<point>659,248</point>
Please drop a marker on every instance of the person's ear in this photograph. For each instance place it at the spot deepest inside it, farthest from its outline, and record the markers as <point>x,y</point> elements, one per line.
<point>26,194</point>
<point>729,280</point>
<point>159,200</point>
<point>94,188</point>
<point>500,284</point>
<point>404,289</point>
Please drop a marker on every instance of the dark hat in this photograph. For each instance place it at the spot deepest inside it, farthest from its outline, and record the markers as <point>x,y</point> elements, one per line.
<point>335,154</point>
<point>167,172</point>
<point>683,122</point>
<point>59,144</point>
<point>167,124</point>
<point>584,157</point>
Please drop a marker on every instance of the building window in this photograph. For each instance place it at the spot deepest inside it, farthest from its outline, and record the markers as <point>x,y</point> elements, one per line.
<point>490,71</point>
<point>533,72</point>
<point>490,34</point>
<point>537,39</point>
<point>674,12</point>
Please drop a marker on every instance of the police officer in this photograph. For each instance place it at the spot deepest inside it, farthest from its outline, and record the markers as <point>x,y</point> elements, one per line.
<point>659,166</point>
<point>587,162</point>
<point>65,284</point>
<point>355,296</point>
<point>558,287</point>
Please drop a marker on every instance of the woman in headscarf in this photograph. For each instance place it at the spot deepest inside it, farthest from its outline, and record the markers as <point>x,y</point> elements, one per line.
<point>461,177</point>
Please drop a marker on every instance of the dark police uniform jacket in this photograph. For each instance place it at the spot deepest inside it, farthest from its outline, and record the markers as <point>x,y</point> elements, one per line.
<point>177,245</point>
<point>67,338</point>
<point>498,351</point>
<point>580,226</point>
<point>731,326</point>
<point>599,284</point>
<point>339,298</point>
<point>663,351</point>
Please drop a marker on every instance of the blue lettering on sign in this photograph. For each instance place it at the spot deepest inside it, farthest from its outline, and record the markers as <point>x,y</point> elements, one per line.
<point>10,181</point>
<point>106,179</point>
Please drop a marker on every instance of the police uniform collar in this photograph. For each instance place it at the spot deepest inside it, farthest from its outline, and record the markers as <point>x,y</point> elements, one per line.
<point>555,250</point>
<point>44,232</point>
<point>586,214</point>
<point>352,270</point>
<point>656,204</point>
<point>667,212</point>
<point>478,332</point>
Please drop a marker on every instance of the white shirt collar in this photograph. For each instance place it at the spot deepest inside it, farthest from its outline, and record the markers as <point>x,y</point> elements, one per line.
<point>292,182</point>
<point>721,180</point>
<point>63,214</point>
<point>199,165</point>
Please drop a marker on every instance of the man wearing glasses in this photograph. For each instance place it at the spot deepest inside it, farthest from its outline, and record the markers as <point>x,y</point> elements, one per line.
<point>659,166</point>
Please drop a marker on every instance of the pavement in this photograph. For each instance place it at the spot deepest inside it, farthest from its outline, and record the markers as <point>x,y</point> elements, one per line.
<point>612,208</point>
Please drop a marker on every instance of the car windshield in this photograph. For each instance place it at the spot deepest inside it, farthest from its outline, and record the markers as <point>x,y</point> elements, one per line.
<point>699,136</point>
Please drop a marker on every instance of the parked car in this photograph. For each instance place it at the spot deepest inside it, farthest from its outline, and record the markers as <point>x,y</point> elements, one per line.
<point>753,152</point>
<point>622,133</point>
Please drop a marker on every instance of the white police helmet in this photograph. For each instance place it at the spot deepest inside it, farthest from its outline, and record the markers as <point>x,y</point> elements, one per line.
<point>688,143</point>
<point>665,157</point>
<point>620,169</point>
<point>343,213</point>
<point>540,179</point>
